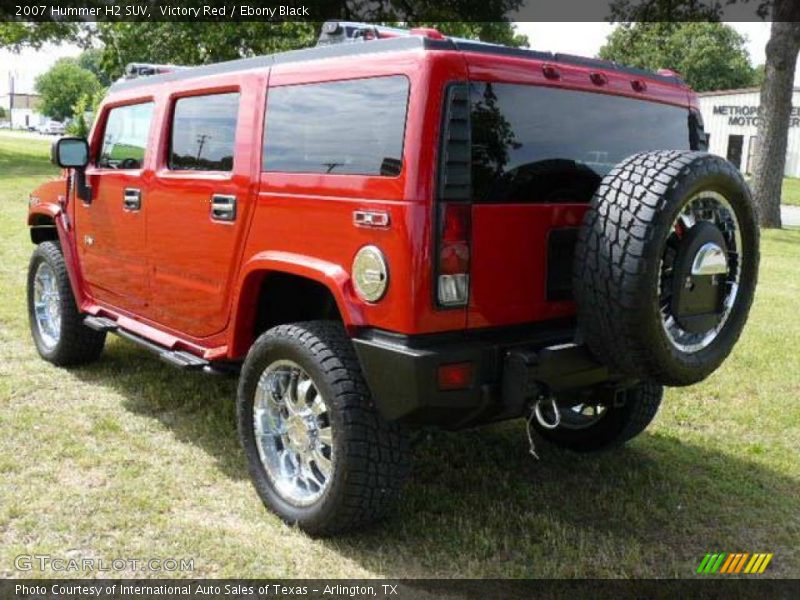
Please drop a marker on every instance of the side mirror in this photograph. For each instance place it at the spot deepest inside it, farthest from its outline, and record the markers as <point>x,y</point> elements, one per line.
<point>73,153</point>
<point>70,153</point>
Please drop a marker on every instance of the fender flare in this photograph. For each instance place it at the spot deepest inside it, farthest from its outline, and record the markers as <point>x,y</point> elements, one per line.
<point>252,274</point>
<point>45,209</point>
<point>65,233</point>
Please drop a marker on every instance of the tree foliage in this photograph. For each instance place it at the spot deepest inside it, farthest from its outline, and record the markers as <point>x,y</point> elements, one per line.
<point>709,56</point>
<point>195,43</point>
<point>84,112</point>
<point>662,11</point>
<point>16,35</point>
<point>91,59</point>
<point>62,86</point>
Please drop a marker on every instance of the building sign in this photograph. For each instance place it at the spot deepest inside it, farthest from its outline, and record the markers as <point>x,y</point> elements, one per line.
<point>742,116</point>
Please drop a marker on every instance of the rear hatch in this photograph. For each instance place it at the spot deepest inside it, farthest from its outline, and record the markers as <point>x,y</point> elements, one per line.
<point>537,155</point>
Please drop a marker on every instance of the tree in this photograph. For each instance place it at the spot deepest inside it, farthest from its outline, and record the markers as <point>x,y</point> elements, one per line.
<point>86,104</point>
<point>91,59</point>
<point>776,106</point>
<point>2,112</point>
<point>709,56</point>
<point>62,86</point>
<point>194,43</point>
<point>776,91</point>
<point>16,34</point>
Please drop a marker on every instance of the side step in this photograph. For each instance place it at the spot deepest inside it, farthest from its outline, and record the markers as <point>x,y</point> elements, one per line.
<point>183,360</point>
<point>100,323</point>
<point>177,358</point>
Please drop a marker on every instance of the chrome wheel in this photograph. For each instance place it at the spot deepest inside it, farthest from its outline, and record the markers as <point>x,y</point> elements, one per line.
<point>47,305</point>
<point>293,433</point>
<point>719,263</point>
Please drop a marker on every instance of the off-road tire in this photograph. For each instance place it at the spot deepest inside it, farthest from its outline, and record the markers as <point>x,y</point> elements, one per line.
<point>371,454</point>
<point>619,424</point>
<point>77,344</point>
<point>618,256</point>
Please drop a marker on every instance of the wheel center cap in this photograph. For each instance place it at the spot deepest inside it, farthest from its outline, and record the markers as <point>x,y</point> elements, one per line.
<point>298,430</point>
<point>699,272</point>
<point>710,260</point>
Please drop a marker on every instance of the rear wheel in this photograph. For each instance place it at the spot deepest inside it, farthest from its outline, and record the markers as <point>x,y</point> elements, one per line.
<point>56,325</point>
<point>589,426</point>
<point>319,453</point>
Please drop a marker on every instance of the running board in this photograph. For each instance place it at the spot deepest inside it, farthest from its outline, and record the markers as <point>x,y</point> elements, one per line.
<point>176,358</point>
<point>100,323</point>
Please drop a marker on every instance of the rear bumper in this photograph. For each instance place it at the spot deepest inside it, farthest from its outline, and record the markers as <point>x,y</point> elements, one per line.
<point>509,367</point>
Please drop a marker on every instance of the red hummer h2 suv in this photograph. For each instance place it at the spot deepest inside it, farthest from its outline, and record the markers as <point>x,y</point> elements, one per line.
<point>398,229</point>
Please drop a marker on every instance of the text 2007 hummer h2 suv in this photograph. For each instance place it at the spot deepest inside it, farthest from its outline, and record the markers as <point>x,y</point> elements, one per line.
<point>396,229</point>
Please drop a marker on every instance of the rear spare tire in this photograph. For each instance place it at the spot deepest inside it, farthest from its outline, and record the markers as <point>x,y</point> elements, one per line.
<point>666,266</point>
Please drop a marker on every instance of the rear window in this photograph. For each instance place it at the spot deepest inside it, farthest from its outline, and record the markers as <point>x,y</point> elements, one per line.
<point>341,127</point>
<point>539,144</point>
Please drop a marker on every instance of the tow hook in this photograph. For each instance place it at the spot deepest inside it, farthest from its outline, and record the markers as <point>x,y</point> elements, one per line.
<point>537,413</point>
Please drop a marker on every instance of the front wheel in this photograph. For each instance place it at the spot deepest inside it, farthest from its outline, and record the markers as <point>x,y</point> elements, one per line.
<point>588,425</point>
<point>318,452</point>
<point>56,324</point>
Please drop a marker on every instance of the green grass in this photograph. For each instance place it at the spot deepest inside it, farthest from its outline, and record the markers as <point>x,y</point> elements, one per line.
<point>130,458</point>
<point>791,191</point>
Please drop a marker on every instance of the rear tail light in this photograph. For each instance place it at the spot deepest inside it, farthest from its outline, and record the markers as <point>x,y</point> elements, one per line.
<point>453,257</point>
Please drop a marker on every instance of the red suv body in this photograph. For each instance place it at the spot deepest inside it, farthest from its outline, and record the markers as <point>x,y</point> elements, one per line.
<point>170,272</point>
<point>426,194</point>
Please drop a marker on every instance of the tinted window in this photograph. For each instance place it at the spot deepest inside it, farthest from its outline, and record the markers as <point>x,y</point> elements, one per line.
<point>354,127</point>
<point>203,133</point>
<point>546,145</point>
<point>125,137</point>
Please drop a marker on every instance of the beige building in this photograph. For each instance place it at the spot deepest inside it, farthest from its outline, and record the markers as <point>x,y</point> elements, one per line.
<point>731,118</point>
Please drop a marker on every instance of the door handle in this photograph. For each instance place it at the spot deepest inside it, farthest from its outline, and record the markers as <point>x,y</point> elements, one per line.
<point>223,208</point>
<point>132,199</point>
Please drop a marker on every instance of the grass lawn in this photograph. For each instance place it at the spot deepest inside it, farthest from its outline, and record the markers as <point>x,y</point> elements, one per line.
<point>130,458</point>
<point>791,191</point>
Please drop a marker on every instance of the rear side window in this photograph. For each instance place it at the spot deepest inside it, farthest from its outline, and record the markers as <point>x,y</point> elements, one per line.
<point>125,137</point>
<point>342,127</point>
<point>204,133</point>
<point>535,144</point>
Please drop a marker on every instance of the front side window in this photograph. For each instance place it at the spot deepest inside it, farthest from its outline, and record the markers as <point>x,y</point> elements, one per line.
<point>536,144</point>
<point>353,127</point>
<point>204,133</point>
<point>125,137</point>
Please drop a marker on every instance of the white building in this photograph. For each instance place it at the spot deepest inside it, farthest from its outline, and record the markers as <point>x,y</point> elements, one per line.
<point>731,119</point>
<point>22,110</point>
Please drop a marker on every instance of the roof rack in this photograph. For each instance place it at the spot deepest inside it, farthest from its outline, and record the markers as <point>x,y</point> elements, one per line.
<point>134,70</point>
<point>338,32</point>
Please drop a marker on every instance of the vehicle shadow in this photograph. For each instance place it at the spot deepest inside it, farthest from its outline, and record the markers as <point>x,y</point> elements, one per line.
<point>479,505</point>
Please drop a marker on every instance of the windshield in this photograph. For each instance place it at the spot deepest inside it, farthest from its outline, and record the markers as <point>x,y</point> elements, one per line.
<point>537,144</point>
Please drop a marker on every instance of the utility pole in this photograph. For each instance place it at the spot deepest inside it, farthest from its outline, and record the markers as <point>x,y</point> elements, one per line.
<point>11,99</point>
<point>201,141</point>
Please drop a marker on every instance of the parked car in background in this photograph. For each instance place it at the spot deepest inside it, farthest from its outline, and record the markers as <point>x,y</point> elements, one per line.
<point>52,128</point>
